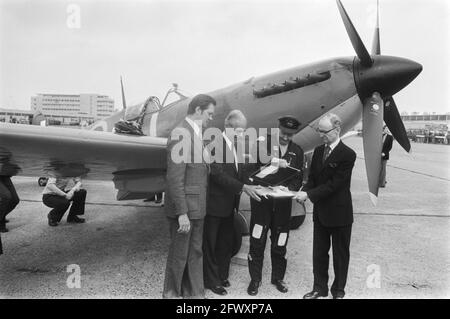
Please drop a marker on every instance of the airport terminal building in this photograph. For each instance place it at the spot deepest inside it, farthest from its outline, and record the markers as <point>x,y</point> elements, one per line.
<point>427,128</point>
<point>15,116</point>
<point>70,108</point>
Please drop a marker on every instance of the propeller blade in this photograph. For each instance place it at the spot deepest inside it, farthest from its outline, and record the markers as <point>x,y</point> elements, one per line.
<point>357,43</point>
<point>394,122</point>
<point>376,50</point>
<point>372,141</point>
<point>124,102</point>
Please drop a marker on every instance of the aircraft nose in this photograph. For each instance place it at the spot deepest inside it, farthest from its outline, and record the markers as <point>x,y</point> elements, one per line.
<point>388,75</point>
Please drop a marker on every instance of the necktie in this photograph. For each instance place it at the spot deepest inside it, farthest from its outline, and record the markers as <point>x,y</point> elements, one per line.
<point>234,149</point>
<point>326,153</point>
<point>206,155</point>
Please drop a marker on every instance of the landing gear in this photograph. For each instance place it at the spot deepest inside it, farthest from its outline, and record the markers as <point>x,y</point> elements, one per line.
<point>297,221</point>
<point>240,228</point>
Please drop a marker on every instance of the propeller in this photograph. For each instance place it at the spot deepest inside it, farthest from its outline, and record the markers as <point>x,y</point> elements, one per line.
<point>376,49</point>
<point>377,79</point>
<point>391,115</point>
<point>124,102</point>
<point>395,124</point>
<point>357,43</point>
<point>372,141</point>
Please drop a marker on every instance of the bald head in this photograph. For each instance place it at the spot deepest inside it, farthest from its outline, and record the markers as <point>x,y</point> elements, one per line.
<point>331,120</point>
<point>236,119</point>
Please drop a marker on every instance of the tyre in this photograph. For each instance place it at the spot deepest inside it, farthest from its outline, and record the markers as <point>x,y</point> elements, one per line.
<point>296,221</point>
<point>240,228</point>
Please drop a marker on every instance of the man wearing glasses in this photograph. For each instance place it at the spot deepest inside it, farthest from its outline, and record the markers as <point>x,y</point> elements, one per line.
<point>328,188</point>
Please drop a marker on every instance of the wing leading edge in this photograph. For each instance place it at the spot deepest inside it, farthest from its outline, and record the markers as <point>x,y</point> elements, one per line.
<point>36,151</point>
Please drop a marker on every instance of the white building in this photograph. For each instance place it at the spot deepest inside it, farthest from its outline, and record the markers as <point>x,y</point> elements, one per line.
<point>73,107</point>
<point>15,116</point>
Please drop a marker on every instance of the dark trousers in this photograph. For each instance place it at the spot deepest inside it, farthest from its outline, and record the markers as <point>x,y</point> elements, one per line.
<point>383,173</point>
<point>184,268</point>
<point>273,215</point>
<point>217,249</point>
<point>8,198</point>
<point>340,238</point>
<point>61,204</point>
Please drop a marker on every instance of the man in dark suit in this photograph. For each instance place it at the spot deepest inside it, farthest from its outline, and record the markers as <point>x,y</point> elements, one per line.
<point>328,188</point>
<point>387,146</point>
<point>274,214</point>
<point>8,200</point>
<point>225,190</point>
<point>187,184</point>
<point>8,195</point>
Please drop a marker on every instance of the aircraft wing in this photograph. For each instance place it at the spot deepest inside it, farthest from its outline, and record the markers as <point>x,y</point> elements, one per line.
<point>135,163</point>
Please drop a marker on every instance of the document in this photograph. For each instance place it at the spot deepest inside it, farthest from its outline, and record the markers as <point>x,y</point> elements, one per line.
<point>273,175</point>
<point>271,169</point>
<point>275,192</point>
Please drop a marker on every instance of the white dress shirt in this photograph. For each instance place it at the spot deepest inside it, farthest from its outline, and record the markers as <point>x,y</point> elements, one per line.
<point>230,146</point>
<point>195,127</point>
<point>333,145</point>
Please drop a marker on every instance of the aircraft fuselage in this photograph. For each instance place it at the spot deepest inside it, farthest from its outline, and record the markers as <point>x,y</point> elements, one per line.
<point>264,99</point>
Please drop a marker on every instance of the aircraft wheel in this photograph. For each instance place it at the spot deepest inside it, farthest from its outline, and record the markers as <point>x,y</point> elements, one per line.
<point>42,181</point>
<point>237,242</point>
<point>297,221</point>
<point>240,228</point>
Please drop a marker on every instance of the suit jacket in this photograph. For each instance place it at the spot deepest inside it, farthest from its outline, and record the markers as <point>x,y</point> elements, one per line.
<point>225,186</point>
<point>294,156</point>
<point>328,186</point>
<point>387,146</point>
<point>186,181</point>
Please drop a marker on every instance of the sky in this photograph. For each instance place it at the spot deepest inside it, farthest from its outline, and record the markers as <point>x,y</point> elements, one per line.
<point>72,47</point>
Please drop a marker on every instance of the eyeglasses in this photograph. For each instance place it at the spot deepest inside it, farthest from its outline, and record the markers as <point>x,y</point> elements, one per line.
<point>325,132</point>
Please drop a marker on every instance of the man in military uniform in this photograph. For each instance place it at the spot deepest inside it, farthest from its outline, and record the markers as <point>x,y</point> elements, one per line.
<point>274,214</point>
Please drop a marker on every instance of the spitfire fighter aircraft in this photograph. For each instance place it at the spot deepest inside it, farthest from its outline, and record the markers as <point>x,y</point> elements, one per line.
<point>352,87</point>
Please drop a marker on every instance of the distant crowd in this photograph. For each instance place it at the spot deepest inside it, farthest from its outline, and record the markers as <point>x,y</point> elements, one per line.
<point>429,136</point>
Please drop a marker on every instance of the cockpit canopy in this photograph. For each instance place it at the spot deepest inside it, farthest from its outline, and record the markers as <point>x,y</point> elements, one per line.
<point>152,104</point>
<point>138,111</point>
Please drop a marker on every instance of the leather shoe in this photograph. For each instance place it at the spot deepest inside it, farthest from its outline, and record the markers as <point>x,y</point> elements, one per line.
<point>52,223</point>
<point>281,285</point>
<point>314,295</point>
<point>338,297</point>
<point>252,289</point>
<point>226,283</point>
<point>218,290</point>
<point>75,220</point>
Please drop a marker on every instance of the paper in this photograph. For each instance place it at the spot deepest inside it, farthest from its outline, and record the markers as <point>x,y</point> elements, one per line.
<point>267,171</point>
<point>275,192</point>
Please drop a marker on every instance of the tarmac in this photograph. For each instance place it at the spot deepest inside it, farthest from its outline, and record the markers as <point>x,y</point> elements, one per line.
<point>399,249</point>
